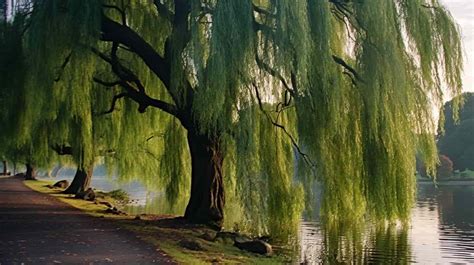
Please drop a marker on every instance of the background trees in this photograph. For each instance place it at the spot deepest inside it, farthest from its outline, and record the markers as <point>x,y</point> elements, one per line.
<point>445,168</point>
<point>456,141</point>
<point>243,91</point>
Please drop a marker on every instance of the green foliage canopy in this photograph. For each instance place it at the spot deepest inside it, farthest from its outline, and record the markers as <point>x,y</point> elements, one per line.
<point>342,89</point>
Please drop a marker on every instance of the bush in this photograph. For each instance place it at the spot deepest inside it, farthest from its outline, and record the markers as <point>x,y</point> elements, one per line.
<point>119,195</point>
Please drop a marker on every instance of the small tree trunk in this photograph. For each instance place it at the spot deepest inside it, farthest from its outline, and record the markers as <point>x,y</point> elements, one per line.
<point>5,172</point>
<point>206,204</point>
<point>30,172</point>
<point>81,181</point>
<point>55,171</point>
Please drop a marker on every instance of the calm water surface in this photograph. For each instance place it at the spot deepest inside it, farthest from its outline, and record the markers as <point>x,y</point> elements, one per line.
<point>441,230</point>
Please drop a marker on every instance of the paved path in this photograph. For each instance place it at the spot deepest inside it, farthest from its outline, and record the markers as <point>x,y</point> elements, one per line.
<point>37,228</point>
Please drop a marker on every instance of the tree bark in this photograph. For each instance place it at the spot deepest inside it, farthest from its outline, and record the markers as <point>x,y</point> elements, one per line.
<point>206,204</point>
<point>81,181</point>
<point>30,172</point>
<point>5,171</point>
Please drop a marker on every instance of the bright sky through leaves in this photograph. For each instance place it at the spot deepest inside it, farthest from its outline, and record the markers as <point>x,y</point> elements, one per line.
<point>463,13</point>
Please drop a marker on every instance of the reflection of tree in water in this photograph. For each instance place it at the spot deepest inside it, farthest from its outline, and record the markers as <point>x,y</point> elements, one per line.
<point>455,206</point>
<point>358,243</point>
<point>456,216</point>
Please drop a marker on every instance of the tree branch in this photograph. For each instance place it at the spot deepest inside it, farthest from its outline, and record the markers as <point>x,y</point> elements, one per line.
<point>63,66</point>
<point>106,83</point>
<point>163,10</point>
<point>347,67</point>
<point>123,15</point>
<point>114,32</point>
<point>283,128</point>
<point>263,11</point>
<point>137,94</point>
<point>114,102</point>
<point>274,73</point>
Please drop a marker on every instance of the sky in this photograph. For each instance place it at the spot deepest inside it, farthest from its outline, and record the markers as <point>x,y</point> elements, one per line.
<point>463,13</point>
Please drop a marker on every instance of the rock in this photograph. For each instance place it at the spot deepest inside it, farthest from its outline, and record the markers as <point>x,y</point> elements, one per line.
<point>88,195</point>
<point>62,184</point>
<point>255,246</point>
<point>20,175</point>
<point>191,244</point>
<point>115,211</point>
<point>208,236</point>
<point>108,204</point>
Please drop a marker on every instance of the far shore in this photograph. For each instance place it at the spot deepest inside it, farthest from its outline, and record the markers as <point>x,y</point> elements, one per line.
<point>446,182</point>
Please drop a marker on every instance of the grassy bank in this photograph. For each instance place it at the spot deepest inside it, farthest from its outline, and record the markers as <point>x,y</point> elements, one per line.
<point>167,233</point>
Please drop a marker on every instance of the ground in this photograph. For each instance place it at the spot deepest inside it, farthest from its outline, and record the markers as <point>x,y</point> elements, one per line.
<point>36,228</point>
<point>150,232</point>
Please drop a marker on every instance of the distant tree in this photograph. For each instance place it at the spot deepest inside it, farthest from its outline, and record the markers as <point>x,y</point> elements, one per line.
<point>457,140</point>
<point>445,168</point>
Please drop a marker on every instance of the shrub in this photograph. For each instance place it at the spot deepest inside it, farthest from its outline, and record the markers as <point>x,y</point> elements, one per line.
<point>119,195</point>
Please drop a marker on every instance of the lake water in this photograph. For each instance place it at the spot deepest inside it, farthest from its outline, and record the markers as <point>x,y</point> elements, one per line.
<point>441,230</point>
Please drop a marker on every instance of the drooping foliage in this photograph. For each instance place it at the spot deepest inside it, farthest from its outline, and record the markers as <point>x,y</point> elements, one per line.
<point>335,91</point>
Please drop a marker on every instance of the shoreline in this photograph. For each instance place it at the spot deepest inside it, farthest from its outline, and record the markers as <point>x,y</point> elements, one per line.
<point>451,182</point>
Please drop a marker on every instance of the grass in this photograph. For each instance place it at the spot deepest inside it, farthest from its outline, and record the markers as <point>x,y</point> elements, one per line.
<point>165,232</point>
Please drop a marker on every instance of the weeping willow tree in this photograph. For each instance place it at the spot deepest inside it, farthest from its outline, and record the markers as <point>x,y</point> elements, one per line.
<point>11,99</point>
<point>68,124</point>
<point>243,94</point>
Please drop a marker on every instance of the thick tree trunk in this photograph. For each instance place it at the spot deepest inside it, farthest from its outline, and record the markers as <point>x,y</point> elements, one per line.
<point>30,172</point>
<point>206,205</point>
<point>5,171</point>
<point>81,181</point>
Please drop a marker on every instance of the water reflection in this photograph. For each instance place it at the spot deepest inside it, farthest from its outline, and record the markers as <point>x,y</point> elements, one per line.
<point>455,210</point>
<point>355,243</point>
<point>441,231</point>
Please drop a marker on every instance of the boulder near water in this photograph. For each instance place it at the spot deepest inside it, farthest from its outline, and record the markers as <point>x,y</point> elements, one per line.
<point>254,246</point>
<point>62,184</point>
<point>88,195</point>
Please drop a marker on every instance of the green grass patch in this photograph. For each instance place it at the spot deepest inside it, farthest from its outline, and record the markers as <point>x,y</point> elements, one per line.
<point>164,233</point>
<point>92,208</point>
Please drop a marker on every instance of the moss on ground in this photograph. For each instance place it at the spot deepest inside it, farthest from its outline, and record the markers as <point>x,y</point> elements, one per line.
<point>166,233</point>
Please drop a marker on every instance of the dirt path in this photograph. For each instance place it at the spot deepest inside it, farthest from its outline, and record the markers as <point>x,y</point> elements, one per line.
<point>39,229</point>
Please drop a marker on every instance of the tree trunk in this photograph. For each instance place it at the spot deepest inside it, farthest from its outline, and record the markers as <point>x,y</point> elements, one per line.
<point>81,181</point>
<point>206,204</point>
<point>30,172</point>
<point>5,172</point>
